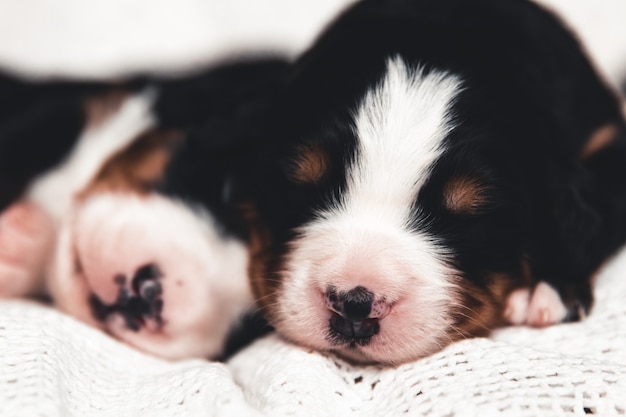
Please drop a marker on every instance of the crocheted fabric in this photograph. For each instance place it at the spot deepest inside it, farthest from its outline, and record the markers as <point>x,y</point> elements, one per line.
<point>52,365</point>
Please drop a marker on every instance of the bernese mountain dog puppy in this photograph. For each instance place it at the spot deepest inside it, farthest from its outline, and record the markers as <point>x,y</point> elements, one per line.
<point>122,195</point>
<point>435,169</point>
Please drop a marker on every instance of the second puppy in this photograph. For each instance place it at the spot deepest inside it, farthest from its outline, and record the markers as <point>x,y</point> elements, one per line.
<point>138,231</point>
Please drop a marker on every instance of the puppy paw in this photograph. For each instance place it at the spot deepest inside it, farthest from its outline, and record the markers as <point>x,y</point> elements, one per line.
<point>545,307</point>
<point>516,309</point>
<point>26,235</point>
<point>541,307</point>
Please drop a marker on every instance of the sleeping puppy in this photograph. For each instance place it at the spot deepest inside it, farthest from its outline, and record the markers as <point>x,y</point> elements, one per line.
<point>438,168</point>
<point>122,197</point>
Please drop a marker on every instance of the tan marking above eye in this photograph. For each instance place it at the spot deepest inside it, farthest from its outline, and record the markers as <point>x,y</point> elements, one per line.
<point>599,139</point>
<point>138,166</point>
<point>465,195</point>
<point>310,164</point>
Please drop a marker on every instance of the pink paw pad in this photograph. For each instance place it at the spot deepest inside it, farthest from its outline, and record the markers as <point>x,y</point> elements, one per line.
<point>26,235</point>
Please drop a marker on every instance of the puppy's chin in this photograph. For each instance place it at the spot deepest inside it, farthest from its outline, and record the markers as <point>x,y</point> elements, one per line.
<point>402,337</point>
<point>394,344</point>
<point>151,272</point>
<point>421,320</point>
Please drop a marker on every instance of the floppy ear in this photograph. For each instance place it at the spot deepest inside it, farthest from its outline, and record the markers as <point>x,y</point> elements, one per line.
<point>589,211</point>
<point>39,123</point>
<point>223,111</point>
<point>223,106</point>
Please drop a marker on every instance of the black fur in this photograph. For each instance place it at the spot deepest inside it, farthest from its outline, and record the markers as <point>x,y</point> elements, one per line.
<point>222,112</point>
<point>219,111</point>
<point>39,122</point>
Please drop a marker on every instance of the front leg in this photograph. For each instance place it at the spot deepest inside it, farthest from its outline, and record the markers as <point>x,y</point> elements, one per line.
<point>544,304</point>
<point>588,219</point>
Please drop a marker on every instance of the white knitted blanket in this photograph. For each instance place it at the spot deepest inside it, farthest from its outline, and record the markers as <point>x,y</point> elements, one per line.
<point>52,365</point>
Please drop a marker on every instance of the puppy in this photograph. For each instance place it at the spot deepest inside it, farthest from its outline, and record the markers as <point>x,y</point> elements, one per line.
<point>437,169</point>
<point>123,199</point>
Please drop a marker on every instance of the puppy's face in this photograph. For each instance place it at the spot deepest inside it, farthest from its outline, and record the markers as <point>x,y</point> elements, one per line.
<point>435,169</point>
<point>149,267</point>
<point>137,191</point>
<point>388,238</point>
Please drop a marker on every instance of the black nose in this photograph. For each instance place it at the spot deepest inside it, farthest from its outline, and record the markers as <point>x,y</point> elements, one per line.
<point>145,283</point>
<point>357,304</point>
<point>351,311</point>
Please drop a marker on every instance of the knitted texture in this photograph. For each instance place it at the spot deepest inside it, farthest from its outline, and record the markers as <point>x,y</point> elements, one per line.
<point>52,365</point>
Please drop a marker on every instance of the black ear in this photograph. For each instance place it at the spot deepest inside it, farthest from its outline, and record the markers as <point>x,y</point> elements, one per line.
<point>588,211</point>
<point>39,123</point>
<point>222,111</point>
<point>223,106</point>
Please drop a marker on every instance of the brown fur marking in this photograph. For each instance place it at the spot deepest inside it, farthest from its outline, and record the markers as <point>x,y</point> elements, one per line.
<point>477,313</point>
<point>481,310</point>
<point>464,195</point>
<point>138,167</point>
<point>259,242</point>
<point>599,139</point>
<point>310,165</point>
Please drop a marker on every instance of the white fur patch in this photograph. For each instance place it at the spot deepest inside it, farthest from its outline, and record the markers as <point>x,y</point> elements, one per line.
<point>400,126</point>
<point>368,238</point>
<point>545,306</point>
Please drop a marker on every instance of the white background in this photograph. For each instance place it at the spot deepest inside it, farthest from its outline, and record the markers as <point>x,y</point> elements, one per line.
<point>100,38</point>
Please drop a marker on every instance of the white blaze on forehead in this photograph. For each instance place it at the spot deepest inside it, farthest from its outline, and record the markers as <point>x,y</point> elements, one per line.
<point>400,125</point>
